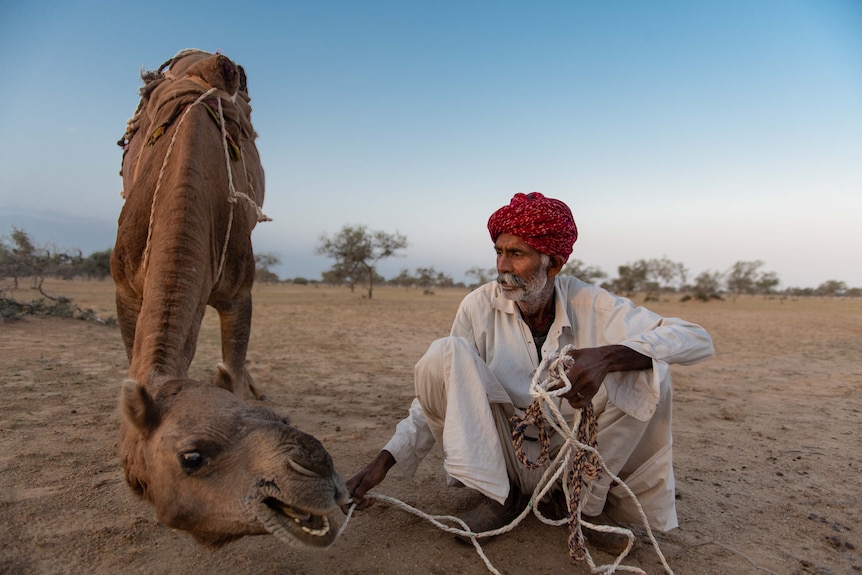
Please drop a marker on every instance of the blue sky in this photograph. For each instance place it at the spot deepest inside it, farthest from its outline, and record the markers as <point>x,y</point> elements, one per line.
<point>704,132</point>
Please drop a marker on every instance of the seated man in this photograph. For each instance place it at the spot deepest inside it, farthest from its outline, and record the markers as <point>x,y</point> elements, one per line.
<point>469,384</point>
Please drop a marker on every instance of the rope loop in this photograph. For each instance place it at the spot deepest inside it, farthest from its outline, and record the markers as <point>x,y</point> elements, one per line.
<point>532,416</point>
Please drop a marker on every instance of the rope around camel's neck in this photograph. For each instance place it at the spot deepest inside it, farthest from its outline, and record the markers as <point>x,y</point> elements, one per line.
<point>233,194</point>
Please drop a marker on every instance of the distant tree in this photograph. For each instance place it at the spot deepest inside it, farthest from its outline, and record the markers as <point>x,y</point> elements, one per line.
<point>766,283</point>
<point>481,275</point>
<point>263,264</point>
<point>442,280</point>
<point>6,262</point>
<point>632,278</point>
<point>356,246</point>
<point>64,265</point>
<point>29,259</point>
<point>425,277</point>
<point>577,268</point>
<point>344,273</point>
<point>707,286</point>
<point>21,256</point>
<point>403,279</point>
<point>800,292</point>
<point>745,278</point>
<point>429,277</point>
<point>648,276</point>
<point>832,288</point>
<point>742,277</point>
<point>97,265</point>
<point>669,275</point>
<point>331,277</point>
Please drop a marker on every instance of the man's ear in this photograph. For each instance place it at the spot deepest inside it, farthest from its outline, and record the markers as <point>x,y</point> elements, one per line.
<point>555,265</point>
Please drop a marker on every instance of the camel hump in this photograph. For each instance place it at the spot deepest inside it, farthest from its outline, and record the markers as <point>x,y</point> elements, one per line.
<point>217,70</point>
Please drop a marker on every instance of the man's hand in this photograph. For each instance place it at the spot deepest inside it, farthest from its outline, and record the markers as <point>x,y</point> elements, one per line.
<point>366,479</point>
<point>593,364</point>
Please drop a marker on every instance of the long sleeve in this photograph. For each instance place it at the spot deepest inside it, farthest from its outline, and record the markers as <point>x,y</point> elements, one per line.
<point>674,341</point>
<point>600,318</point>
<point>411,441</point>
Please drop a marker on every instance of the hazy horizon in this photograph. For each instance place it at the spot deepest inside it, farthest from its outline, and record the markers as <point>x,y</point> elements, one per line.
<point>93,233</point>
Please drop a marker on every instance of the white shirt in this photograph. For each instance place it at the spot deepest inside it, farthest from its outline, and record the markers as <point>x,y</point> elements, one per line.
<point>586,316</point>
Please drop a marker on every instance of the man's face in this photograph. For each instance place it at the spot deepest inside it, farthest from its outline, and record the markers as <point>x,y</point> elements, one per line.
<point>523,272</point>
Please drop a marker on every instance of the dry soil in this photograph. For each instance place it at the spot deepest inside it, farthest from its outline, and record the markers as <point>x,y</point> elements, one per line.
<point>767,441</point>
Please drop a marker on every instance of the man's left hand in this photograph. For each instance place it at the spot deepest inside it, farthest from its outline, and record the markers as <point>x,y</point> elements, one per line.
<point>593,364</point>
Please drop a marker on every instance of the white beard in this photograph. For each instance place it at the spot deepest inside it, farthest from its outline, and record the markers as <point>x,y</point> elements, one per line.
<point>530,292</point>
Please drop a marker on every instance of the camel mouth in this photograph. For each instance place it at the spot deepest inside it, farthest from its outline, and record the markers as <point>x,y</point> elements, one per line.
<point>294,525</point>
<point>314,525</point>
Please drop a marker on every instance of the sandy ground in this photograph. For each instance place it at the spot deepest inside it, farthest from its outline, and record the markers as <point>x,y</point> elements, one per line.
<point>767,433</point>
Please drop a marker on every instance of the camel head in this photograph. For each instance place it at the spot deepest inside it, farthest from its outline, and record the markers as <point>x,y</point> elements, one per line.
<point>219,468</point>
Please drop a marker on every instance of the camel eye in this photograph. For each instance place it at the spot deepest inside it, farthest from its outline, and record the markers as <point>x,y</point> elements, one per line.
<point>191,460</point>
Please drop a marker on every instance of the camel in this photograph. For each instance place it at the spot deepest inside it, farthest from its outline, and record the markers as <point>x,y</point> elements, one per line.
<point>210,463</point>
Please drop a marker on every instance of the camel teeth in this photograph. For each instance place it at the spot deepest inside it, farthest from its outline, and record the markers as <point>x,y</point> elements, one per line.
<point>319,532</point>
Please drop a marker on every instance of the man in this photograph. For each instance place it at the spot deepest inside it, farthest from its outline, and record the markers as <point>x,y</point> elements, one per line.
<point>469,384</point>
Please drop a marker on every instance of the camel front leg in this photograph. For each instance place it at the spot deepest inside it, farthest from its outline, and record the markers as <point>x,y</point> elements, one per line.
<point>128,309</point>
<point>235,320</point>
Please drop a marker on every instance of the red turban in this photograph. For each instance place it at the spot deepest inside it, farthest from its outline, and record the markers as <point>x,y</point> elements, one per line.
<point>545,224</point>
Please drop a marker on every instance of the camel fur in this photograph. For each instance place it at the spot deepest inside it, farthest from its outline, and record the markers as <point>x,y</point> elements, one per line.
<point>210,463</point>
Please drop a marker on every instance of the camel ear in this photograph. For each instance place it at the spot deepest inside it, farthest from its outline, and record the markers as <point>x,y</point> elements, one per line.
<point>139,407</point>
<point>223,378</point>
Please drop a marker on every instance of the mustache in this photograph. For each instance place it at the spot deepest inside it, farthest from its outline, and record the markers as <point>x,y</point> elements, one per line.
<point>511,279</point>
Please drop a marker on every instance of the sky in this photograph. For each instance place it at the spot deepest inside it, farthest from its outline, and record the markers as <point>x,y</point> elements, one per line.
<point>706,132</point>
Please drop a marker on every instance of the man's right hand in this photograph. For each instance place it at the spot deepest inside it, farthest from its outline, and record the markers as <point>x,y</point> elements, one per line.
<point>367,479</point>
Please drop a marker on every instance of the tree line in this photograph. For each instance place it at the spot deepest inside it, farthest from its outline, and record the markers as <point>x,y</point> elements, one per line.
<point>21,258</point>
<point>357,251</point>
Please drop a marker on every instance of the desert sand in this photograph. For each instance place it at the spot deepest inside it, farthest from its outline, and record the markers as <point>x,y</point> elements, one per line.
<point>767,441</point>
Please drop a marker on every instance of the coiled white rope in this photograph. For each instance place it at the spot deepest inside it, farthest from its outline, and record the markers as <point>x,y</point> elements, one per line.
<point>545,392</point>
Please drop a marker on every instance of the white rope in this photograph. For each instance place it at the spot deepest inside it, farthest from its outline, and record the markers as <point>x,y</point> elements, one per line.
<point>233,194</point>
<point>545,392</point>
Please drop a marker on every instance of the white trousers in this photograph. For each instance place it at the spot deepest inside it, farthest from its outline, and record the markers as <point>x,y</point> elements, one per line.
<point>467,410</point>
